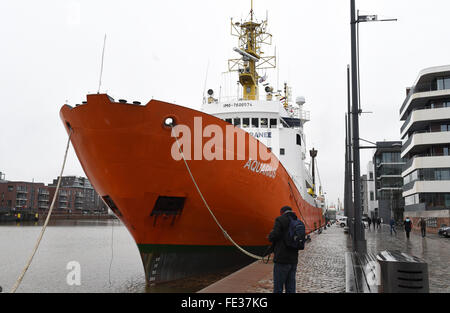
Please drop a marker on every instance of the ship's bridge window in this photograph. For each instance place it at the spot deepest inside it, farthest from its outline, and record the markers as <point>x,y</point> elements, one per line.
<point>299,140</point>
<point>229,120</point>
<point>245,122</point>
<point>282,151</point>
<point>237,122</point>
<point>273,123</point>
<point>255,122</point>
<point>264,123</point>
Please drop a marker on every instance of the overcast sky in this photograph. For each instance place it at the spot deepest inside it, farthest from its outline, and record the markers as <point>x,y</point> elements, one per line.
<point>51,51</point>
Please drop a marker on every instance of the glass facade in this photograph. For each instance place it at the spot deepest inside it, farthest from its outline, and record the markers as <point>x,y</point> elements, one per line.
<point>443,83</point>
<point>389,170</point>
<point>388,157</point>
<point>433,201</point>
<point>427,174</point>
<point>437,104</point>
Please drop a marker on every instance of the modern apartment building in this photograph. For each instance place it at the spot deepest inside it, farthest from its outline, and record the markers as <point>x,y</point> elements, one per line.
<point>426,131</point>
<point>364,196</point>
<point>372,203</point>
<point>388,166</point>
<point>76,193</point>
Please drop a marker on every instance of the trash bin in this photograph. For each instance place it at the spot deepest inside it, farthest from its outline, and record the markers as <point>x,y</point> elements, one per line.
<point>402,273</point>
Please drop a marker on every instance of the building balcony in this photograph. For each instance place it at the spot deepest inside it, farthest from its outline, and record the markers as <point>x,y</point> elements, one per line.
<point>415,207</point>
<point>420,99</point>
<point>383,163</point>
<point>425,162</point>
<point>420,118</point>
<point>434,186</point>
<point>424,88</point>
<point>424,139</point>
<point>385,188</point>
<point>385,176</point>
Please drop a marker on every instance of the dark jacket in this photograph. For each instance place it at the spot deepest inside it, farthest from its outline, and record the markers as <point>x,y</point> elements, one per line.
<point>423,224</point>
<point>282,253</point>
<point>408,225</point>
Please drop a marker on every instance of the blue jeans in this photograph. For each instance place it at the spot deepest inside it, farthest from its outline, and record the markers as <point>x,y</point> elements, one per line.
<point>284,276</point>
<point>393,229</point>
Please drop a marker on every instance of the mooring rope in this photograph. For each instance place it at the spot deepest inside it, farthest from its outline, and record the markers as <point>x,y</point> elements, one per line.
<point>19,280</point>
<point>257,257</point>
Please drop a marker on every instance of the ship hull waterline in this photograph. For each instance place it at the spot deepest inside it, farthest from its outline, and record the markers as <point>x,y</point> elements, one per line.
<point>126,152</point>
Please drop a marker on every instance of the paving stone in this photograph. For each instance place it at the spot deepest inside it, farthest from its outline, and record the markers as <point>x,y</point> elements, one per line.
<point>321,266</point>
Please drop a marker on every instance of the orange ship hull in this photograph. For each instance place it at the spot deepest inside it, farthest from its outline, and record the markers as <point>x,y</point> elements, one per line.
<point>125,150</point>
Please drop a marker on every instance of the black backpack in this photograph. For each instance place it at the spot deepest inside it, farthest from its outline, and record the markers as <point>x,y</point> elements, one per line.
<point>295,235</point>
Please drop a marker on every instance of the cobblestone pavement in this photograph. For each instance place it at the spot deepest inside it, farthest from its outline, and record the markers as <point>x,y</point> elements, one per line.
<point>433,249</point>
<point>321,267</point>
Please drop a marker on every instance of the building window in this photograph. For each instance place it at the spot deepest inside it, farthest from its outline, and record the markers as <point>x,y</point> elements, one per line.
<point>273,123</point>
<point>371,175</point>
<point>435,200</point>
<point>10,188</point>
<point>264,123</point>
<point>255,122</point>
<point>282,151</point>
<point>245,122</point>
<point>372,196</point>
<point>443,83</point>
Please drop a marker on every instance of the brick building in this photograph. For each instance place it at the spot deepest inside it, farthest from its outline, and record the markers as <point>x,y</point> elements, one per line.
<point>76,195</point>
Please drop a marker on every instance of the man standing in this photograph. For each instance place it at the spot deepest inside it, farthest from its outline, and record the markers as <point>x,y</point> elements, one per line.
<point>423,227</point>
<point>408,226</point>
<point>285,258</point>
<point>370,222</point>
<point>392,224</point>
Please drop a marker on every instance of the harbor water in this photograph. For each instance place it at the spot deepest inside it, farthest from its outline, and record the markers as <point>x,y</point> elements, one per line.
<point>102,252</point>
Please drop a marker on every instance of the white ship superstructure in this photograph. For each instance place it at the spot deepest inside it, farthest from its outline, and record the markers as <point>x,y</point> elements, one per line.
<point>276,121</point>
<point>278,126</point>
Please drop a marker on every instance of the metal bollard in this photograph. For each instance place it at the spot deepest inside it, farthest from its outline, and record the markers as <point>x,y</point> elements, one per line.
<point>402,273</point>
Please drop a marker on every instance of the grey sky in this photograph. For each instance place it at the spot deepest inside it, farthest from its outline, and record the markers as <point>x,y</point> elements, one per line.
<point>51,53</point>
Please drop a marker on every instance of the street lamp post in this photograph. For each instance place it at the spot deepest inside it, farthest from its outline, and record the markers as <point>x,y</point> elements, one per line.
<point>359,242</point>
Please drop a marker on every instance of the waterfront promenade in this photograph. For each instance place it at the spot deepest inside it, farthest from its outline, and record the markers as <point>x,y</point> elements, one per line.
<point>321,267</point>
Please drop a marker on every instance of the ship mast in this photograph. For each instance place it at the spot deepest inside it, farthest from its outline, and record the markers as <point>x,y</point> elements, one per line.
<point>252,35</point>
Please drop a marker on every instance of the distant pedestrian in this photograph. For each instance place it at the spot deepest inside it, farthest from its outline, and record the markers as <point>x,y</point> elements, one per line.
<point>379,222</point>
<point>408,226</point>
<point>369,221</point>
<point>423,226</point>
<point>392,224</point>
<point>285,258</point>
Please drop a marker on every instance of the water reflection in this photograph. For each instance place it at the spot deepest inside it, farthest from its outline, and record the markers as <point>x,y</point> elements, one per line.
<point>95,244</point>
